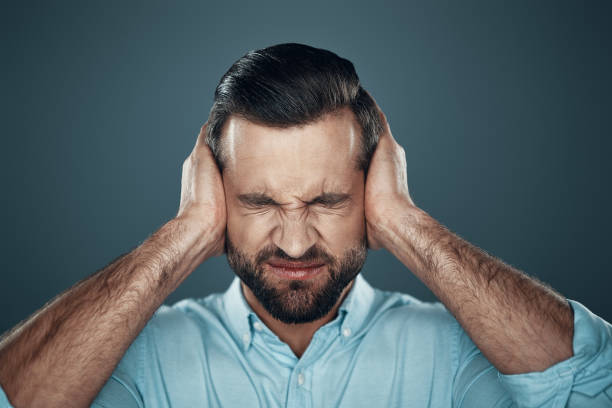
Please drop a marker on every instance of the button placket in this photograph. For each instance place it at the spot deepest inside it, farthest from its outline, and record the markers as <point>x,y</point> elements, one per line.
<point>300,394</point>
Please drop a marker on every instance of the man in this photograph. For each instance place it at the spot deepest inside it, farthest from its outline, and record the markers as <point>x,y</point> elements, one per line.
<point>295,174</point>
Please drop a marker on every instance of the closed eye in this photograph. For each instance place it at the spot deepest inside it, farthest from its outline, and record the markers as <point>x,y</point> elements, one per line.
<point>259,200</point>
<point>256,200</point>
<point>331,200</point>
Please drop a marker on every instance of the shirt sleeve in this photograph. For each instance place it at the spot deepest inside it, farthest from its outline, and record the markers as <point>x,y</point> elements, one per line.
<point>583,380</point>
<point>4,402</point>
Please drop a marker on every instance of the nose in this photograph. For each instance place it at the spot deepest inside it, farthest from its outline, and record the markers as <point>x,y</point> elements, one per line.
<point>294,236</point>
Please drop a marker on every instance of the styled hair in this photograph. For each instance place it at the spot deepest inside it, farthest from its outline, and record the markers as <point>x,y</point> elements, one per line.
<point>288,85</point>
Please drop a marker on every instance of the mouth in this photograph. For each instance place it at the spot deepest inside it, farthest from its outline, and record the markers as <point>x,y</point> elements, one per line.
<point>296,270</point>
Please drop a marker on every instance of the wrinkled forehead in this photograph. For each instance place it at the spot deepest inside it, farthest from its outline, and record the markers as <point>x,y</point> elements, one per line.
<point>306,158</point>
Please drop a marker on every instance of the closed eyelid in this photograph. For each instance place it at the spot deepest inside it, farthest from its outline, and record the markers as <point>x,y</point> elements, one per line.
<point>256,200</point>
<point>260,200</point>
<point>331,199</point>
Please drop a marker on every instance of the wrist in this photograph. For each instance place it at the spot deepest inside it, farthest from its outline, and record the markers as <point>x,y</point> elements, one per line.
<point>394,220</point>
<point>205,236</point>
<point>388,213</point>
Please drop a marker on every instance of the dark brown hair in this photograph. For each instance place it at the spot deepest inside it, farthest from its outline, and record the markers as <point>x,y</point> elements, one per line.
<point>292,84</point>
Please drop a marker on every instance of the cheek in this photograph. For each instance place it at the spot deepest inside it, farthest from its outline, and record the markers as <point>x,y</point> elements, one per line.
<point>340,231</point>
<point>248,231</point>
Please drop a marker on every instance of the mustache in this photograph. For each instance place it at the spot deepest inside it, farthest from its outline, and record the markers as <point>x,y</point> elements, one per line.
<point>314,253</point>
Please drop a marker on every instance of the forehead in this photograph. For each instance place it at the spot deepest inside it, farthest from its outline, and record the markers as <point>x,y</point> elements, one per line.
<point>298,159</point>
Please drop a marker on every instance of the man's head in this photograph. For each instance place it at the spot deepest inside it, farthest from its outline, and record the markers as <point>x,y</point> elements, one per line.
<point>293,133</point>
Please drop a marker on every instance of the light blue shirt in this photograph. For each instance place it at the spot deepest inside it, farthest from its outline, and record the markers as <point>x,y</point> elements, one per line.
<point>384,349</point>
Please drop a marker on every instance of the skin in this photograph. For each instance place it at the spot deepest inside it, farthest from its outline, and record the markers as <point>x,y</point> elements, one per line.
<point>63,354</point>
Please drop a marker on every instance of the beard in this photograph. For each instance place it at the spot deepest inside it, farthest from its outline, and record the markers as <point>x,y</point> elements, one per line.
<point>297,301</point>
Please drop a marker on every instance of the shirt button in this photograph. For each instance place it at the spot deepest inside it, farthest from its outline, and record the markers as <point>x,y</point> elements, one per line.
<point>257,326</point>
<point>246,338</point>
<point>300,379</point>
<point>346,332</point>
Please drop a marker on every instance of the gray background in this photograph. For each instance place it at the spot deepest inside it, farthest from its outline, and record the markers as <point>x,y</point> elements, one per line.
<point>503,109</point>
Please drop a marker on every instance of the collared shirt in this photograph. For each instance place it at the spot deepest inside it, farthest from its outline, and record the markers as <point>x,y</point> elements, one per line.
<point>383,349</point>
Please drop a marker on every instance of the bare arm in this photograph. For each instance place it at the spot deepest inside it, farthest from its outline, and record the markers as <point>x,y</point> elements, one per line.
<point>64,353</point>
<point>518,323</point>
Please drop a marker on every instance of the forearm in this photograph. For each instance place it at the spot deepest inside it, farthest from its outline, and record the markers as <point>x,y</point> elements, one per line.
<point>64,353</point>
<point>518,323</point>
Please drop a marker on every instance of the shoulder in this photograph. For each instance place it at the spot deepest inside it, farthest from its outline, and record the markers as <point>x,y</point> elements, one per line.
<point>401,320</point>
<point>188,312</point>
<point>184,322</point>
<point>417,335</point>
<point>399,308</point>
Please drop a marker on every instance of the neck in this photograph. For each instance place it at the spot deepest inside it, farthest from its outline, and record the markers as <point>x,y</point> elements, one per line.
<point>298,335</point>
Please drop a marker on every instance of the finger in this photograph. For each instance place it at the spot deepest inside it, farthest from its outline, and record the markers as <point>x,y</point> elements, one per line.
<point>383,117</point>
<point>201,140</point>
<point>380,112</point>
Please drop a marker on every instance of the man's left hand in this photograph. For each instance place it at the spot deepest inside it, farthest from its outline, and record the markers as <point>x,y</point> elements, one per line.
<point>386,187</point>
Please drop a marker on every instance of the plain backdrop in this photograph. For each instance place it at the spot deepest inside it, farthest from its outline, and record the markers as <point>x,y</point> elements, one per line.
<point>504,109</point>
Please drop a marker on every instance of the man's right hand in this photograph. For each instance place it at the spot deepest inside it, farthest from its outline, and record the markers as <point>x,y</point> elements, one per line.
<point>64,353</point>
<point>202,192</point>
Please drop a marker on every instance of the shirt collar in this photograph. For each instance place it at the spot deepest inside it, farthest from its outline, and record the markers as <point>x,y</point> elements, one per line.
<point>352,314</point>
<point>238,311</point>
<point>356,307</point>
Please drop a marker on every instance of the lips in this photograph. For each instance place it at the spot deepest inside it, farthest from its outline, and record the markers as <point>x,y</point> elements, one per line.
<point>295,265</point>
<point>296,270</point>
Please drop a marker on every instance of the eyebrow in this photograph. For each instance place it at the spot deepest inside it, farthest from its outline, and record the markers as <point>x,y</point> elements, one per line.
<point>261,199</point>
